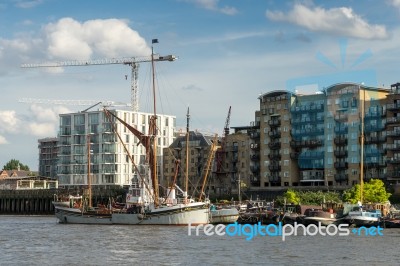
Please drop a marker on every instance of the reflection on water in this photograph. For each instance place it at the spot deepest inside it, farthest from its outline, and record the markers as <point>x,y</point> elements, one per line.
<point>41,240</point>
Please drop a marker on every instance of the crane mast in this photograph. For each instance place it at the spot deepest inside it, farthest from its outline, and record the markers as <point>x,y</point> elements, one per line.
<point>133,62</point>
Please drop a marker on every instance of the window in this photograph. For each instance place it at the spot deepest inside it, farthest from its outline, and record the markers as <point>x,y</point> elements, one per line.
<point>330,149</point>
<point>354,147</point>
<point>330,160</point>
<point>286,174</point>
<point>286,162</point>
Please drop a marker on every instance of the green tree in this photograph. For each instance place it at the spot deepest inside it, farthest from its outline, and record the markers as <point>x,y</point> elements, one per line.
<point>374,191</point>
<point>13,165</point>
<point>291,197</point>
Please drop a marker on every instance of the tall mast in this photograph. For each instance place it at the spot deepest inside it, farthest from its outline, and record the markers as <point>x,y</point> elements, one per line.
<point>187,155</point>
<point>88,172</point>
<point>362,146</point>
<point>153,131</point>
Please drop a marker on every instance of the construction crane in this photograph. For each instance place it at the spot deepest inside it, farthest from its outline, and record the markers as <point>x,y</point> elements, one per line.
<point>133,62</point>
<point>71,102</point>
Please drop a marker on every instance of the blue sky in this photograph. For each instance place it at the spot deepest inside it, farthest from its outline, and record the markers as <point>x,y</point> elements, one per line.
<point>229,53</point>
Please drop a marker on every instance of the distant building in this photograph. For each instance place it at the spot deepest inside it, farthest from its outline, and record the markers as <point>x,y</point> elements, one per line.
<point>10,178</point>
<point>199,151</point>
<point>48,155</point>
<point>109,162</point>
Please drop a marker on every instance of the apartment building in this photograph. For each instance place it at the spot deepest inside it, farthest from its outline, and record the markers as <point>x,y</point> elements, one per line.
<point>315,139</point>
<point>89,139</point>
<point>48,153</point>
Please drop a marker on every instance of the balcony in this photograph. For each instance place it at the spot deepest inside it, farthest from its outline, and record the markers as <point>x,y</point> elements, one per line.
<point>255,135</point>
<point>394,174</point>
<point>274,134</point>
<point>274,167</point>
<point>393,160</point>
<point>254,168</point>
<point>307,132</point>
<point>340,141</point>
<point>254,157</point>
<point>274,122</point>
<point>341,165</point>
<point>306,143</point>
<point>393,147</point>
<point>340,153</point>
<point>375,164</point>
<point>375,115</point>
<point>274,156</point>
<point>392,120</point>
<point>307,108</point>
<point>341,117</point>
<point>274,145</point>
<point>341,130</point>
<point>374,139</point>
<point>275,179</point>
<point>393,133</point>
<point>309,155</point>
<point>393,106</point>
<point>341,177</point>
<point>374,128</point>
<point>306,120</point>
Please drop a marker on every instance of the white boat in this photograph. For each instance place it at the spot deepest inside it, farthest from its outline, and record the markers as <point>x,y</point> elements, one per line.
<point>223,215</point>
<point>143,202</point>
<point>359,217</point>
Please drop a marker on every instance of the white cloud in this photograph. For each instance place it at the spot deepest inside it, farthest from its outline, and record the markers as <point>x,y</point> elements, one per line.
<point>9,121</point>
<point>41,121</point>
<point>213,5</point>
<point>395,3</point>
<point>70,39</point>
<point>3,140</point>
<point>42,114</point>
<point>42,129</point>
<point>341,21</point>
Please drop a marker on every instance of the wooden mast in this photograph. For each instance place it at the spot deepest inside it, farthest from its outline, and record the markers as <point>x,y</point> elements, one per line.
<point>153,132</point>
<point>362,146</point>
<point>88,172</point>
<point>187,158</point>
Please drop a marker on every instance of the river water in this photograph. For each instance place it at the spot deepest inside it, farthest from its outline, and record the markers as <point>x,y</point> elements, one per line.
<point>41,240</point>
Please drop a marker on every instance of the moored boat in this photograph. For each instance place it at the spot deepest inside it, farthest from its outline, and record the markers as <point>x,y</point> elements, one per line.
<point>359,217</point>
<point>223,215</point>
<point>316,216</point>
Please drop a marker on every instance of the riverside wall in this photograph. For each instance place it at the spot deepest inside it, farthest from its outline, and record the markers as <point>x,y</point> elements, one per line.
<point>39,201</point>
